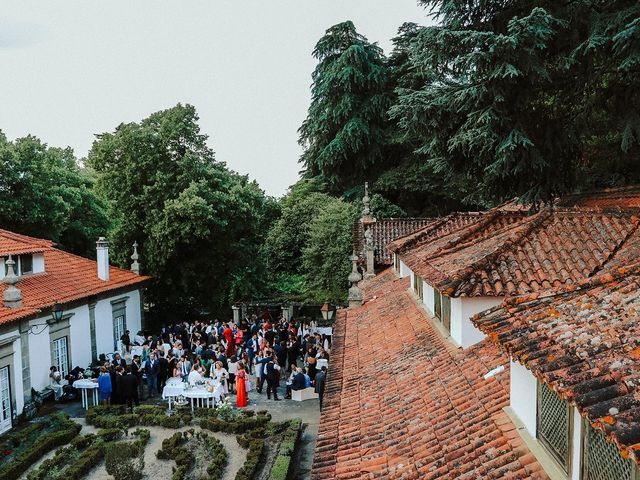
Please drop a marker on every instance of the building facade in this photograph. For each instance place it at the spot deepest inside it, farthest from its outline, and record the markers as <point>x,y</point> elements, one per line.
<point>95,303</point>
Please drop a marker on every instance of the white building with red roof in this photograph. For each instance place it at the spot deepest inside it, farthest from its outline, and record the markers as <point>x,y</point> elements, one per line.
<point>95,304</point>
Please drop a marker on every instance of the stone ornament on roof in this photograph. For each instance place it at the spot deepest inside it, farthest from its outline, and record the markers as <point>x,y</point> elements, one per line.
<point>366,205</point>
<point>12,295</point>
<point>135,266</point>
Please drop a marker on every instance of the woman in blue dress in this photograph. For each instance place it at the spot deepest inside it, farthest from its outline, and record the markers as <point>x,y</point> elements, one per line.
<point>104,386</point>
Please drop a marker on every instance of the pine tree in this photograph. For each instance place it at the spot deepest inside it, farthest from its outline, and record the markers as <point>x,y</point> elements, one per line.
<point>344,134</point>
<point>525,98</point>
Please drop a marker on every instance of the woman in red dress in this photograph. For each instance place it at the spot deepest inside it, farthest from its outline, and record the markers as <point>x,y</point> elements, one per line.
<point>241,392</point>
<point>228,336</point>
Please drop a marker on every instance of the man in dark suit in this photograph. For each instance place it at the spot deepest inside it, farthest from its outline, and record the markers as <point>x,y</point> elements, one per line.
<point>129,389</point>
<point>272,370</point>
<point>137,370</point>
<point>119,361</point>
<point>320,381</point>
<point>163,370</point>
<point>297,383</point>
<point>151,368</point>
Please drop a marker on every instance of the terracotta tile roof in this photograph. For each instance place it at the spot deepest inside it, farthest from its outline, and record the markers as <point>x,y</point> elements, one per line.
<point>402,402</point>
<point>67,278</point>
<point>385,231</point>
<point>441,226</point>
<point>584,344</point>
<point>622,197</point>
<point>512,253</point>
<point>16,244</point>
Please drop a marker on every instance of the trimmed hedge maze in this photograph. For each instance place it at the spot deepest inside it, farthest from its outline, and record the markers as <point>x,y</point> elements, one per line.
<point>123,453</point>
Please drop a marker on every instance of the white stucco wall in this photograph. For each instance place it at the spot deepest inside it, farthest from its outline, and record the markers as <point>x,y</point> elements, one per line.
<point>522,395</point>
<point>576,446</point>
<point>463,331</point>
<point>80,336</point>
<point>429,297</point>
<point>40,354</point>
<point>404,270</point>
<point>38,263</point>
<point>17,393</point>
<point>104,320</point>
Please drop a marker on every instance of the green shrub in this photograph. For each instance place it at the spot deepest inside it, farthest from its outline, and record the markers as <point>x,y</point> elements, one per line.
<point>254,457</point>
<point>280,468</point>
<point>218,456</point>
<point>66,431</point>
<point>124,460</point>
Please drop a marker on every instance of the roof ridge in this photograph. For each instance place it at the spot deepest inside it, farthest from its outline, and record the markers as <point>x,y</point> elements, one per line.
<point>19,237</point>
<point>428,229</point>
<point>532,224</point>
<point>459,242</point>
<point>636,222</point>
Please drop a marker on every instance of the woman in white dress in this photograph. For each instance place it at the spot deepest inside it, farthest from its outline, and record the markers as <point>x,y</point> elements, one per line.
<point>221,375</point>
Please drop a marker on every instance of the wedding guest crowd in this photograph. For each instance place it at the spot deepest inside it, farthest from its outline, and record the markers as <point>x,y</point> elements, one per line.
<point>224,351</point>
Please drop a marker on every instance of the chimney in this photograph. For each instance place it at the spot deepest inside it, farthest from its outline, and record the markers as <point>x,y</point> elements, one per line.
<point>12,295</point>
<point>102,248</point>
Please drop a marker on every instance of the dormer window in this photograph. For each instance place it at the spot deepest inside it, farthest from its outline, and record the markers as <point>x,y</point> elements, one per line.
<point>23,265</point>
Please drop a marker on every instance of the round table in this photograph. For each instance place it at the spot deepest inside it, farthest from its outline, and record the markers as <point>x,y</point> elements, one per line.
<point>200,397</point>
<point>84,385</point>
<point>174,388</point>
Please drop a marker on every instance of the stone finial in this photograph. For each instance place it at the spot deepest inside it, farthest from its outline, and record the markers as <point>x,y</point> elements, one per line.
<point>135,266</point>
<point>354,276</point>
<point>369,251</point>
<point>355,293</point>
<point>366,203</point>
<point>12,295</point>
<point>368,237</point>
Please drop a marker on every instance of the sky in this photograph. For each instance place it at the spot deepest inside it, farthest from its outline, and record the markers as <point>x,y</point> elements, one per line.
<point>75,68</point>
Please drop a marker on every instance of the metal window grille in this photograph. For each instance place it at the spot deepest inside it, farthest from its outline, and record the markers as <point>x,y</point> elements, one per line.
<point>446,312</point>
<point>554,425</point>
<point>602,460</point>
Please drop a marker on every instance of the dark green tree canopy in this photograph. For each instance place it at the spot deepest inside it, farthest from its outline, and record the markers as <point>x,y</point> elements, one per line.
<point>44,193</point>
<point>344,133</point>
<point>198,224</point>
<point>526,98</point>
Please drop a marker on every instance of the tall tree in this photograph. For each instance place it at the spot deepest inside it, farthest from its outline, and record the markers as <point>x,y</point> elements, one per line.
<point>344,133</point>
<point>198,224</point>
<point>44,193</point>
<point>325,257</point>
<point>524,97</point>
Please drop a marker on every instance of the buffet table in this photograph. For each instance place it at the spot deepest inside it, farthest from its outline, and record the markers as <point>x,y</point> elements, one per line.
<point>206,395</point>
<point>84,385</point>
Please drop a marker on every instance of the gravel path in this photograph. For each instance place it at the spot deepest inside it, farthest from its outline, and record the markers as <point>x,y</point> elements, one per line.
<point>154,468</point>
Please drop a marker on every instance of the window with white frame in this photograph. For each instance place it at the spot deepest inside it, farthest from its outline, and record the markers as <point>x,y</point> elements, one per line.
<point>553,425</point>
<point>445,317</point>
<point>602,460</point>
<point>61,355</point>
<point>418,286</point>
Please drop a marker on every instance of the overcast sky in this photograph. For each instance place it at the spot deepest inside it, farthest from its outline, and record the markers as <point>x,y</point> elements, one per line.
<point>74,68</point>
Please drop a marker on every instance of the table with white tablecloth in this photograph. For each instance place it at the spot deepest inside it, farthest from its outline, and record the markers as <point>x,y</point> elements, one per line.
<point>173,389</point>
<point>199,395</point>
<point>84,386</point>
